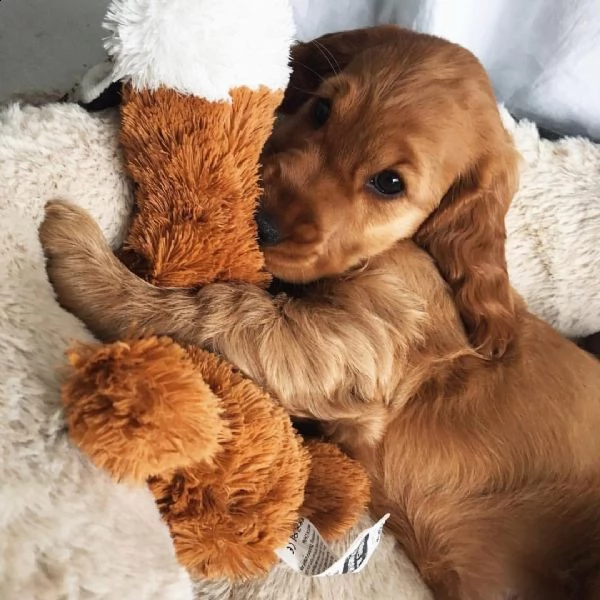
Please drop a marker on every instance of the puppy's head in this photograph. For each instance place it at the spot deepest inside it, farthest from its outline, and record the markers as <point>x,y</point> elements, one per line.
<point>387,134</point>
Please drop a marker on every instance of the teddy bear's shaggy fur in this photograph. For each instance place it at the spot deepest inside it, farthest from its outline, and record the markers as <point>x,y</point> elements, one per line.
<point>228,471</point>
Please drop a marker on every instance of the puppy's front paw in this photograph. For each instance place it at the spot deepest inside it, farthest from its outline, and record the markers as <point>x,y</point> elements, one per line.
<point>68,230</point>
<point>76,253</point>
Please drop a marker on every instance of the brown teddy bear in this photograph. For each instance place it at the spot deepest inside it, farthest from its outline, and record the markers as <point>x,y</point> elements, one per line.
<point>229,473</point>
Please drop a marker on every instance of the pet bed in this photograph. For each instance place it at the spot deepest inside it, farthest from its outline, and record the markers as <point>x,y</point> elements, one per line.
<point>67,531</point>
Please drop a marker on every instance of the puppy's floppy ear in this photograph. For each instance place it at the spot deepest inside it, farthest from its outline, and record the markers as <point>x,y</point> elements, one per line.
<point>466,237</point>
<point>327,55</point>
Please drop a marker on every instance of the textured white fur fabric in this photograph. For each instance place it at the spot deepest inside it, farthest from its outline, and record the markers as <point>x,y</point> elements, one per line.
<point>66,531</point>
<point>553,246</point>
<point>202,47</point>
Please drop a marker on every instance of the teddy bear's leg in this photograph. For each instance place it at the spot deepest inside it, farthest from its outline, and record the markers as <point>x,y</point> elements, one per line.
<point>227,521</point>
<point>140,407</point>
<point>337,491</point>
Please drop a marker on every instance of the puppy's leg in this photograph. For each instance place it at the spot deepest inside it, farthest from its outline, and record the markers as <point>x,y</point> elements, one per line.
<point>473,571</point>
<point>90,282</point>
<point>321,357</point>
<point>589,587</point>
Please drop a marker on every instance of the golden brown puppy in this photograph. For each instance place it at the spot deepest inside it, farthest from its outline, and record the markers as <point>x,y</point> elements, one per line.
<point>490,468</point>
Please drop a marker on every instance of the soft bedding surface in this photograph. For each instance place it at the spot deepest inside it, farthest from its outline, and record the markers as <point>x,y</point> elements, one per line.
<point>66,531</point>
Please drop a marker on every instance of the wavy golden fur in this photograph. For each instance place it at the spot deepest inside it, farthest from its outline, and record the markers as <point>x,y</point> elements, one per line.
<point>490,468</point>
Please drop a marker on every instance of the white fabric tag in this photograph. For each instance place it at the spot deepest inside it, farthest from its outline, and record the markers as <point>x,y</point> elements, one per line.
<point>306,551</point>
<point>94,82</point>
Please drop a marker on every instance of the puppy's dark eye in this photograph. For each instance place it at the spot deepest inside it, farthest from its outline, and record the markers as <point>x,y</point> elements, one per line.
<point>321,111</point>
<point>387,183</point>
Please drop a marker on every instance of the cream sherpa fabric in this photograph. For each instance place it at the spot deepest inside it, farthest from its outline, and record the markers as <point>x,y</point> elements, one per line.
<point>66,531</point>
<point>553,246</point>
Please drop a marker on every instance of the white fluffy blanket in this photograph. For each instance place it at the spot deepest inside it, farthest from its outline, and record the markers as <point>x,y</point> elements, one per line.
<point>68,532</point>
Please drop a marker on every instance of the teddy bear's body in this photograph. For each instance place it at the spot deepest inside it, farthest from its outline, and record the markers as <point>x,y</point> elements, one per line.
<point>229,473</point>
<point>195,164</point>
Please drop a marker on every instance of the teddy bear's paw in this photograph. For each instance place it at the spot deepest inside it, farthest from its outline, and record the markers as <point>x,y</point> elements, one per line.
<point>337,490</point>
<point>139,408</point>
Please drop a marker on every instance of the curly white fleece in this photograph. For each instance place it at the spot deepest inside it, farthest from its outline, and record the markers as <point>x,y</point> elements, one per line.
<point>66,530</point>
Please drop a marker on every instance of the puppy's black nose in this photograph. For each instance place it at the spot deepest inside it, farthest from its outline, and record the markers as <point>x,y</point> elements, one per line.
<point>268,234</point>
